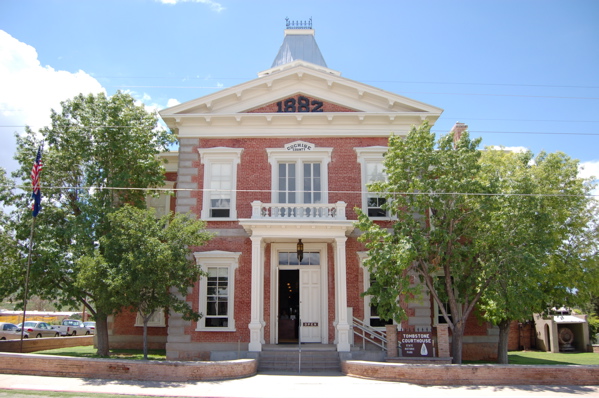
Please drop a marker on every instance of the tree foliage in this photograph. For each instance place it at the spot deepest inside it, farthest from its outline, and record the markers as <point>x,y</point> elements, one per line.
<point>99,154</point>
<point>539,210</point>
<point>143,263</point>
<point>471,225</point>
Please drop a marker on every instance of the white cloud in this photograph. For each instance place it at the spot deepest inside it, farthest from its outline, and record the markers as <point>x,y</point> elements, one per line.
<point>172,102</point>
<point>212,4</point>
<point>30,90</point>
<point>589,169</point>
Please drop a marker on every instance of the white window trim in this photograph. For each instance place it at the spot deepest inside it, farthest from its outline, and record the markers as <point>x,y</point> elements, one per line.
<point>163,196</point>
<point>217,258</point>
<point>208,156</point>
<point>370,154</point>
<point>157,320</point>
<point>316,155</point>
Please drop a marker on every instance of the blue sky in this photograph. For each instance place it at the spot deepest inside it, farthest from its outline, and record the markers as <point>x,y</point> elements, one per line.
<point>520,73</point>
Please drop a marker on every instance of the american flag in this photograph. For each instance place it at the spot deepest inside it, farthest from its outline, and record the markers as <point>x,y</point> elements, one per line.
<point>35,183</point>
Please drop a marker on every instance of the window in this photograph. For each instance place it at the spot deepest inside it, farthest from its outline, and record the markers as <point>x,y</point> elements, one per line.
<point>156,320</point>
<point>371,316</point>
<point>220,182</point>
<point>371,160</point>
<point>217,297</point>
<point>299,176</point>
<point>162,201</point>
<point>217,290</point>
<point>438,316</point>
<point>374,203</point>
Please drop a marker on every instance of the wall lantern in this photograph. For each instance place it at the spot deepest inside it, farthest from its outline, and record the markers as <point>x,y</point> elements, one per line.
<point>300,251</point>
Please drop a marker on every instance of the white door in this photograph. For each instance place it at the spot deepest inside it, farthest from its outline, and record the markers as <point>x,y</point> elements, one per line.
<point>310,326</point>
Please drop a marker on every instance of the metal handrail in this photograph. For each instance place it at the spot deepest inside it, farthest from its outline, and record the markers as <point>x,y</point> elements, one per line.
<point>368,333</point>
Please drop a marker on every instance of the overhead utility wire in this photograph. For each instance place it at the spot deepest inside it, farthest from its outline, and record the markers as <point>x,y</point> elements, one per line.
<point>403,92</point>
<point>343,130</point>
<point>25,187</point>
<point>249,78</point>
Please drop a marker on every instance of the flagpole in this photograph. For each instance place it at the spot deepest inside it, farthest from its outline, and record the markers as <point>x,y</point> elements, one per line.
<point>27,281</point>
<point>37,199</point>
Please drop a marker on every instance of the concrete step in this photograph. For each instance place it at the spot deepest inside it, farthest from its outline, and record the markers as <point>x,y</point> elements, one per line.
<point>311,361</point>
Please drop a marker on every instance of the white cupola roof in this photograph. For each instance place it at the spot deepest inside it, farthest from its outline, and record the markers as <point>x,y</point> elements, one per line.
<point>299,44</point>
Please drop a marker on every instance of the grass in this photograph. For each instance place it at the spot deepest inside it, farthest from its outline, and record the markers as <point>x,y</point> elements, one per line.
<point>90,352</point>
<point>548,358</point>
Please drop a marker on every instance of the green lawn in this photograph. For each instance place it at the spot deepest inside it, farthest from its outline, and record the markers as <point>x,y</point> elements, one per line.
<point>548,358</point>
<point>90,352</point>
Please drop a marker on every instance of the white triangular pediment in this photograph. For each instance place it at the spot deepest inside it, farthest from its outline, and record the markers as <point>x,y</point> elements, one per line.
<point>302,93</point>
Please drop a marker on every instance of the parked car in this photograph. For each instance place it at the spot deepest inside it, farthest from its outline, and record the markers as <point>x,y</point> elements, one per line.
<point>72,327</point>
<point>39,329</point>
<point>10,331</point>
<point>91,326</point>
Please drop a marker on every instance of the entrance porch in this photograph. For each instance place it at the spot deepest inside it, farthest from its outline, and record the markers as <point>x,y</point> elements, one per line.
<point>298,308</point>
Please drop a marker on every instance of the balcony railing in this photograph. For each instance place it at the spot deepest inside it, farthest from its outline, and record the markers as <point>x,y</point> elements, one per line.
<point>298,211</point>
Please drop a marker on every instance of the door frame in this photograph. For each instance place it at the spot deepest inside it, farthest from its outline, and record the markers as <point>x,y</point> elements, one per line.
<point>275,248</point>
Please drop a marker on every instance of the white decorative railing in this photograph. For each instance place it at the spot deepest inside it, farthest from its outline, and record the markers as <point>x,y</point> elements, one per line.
<point>298,211</point>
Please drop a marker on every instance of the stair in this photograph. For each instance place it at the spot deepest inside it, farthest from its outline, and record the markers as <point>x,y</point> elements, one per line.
<point>313,359</point>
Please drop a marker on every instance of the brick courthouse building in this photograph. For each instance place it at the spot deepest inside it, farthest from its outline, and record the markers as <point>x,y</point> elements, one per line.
<point>278,161</point>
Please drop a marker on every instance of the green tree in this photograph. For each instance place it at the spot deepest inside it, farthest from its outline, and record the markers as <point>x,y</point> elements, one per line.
<point>99,154</point>
<point>9,253</point>
<point>435,228</point>
<point>486,228</point>
<point>143,263</point>
<point>538,210</point>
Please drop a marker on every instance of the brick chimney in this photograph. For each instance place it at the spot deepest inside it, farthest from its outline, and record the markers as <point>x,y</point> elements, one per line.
<point>457,131</point>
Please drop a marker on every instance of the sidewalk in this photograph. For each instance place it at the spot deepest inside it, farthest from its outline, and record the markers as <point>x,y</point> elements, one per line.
<point>281,385</point>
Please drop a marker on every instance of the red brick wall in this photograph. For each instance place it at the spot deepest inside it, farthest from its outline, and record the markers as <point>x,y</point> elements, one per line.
<point>253,173</point>
<point>520,336</point>
<point>483,375</point>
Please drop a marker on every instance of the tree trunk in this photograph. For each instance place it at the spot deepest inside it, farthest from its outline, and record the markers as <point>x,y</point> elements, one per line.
<point>504,332</point>
<point>102,334</point>
<point>145,338</point>
<point>457,339</point>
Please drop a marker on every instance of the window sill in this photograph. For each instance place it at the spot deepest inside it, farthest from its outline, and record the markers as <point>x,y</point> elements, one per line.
<point>205,329</point>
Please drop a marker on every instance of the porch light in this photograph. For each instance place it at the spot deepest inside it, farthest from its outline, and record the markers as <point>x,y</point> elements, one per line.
<point>300,251</point>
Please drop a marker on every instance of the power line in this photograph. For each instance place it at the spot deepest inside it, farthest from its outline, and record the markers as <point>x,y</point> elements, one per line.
<point>249,78</point>
<point>345,130</point>
<point>27,187</point>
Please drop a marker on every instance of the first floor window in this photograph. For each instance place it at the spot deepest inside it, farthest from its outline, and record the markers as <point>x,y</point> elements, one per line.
<point>375,319</point>
<point>217,297</point>
<point>371,314</point>
<point>217,290</point>
<point>156,320</point>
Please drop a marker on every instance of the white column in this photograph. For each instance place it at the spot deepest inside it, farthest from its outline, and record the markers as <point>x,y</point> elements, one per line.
<point>256,322</point>
<point>341,296</point>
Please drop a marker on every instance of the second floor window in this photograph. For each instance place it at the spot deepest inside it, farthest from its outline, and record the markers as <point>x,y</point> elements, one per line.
<point>220,182</point>
<point>306,187</point>
<point>299,176</point>
<point>371,161</point>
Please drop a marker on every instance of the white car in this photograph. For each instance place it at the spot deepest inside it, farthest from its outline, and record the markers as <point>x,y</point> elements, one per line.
<point>39,329</point>
<point>10,331</point>
<point>91,326</point>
